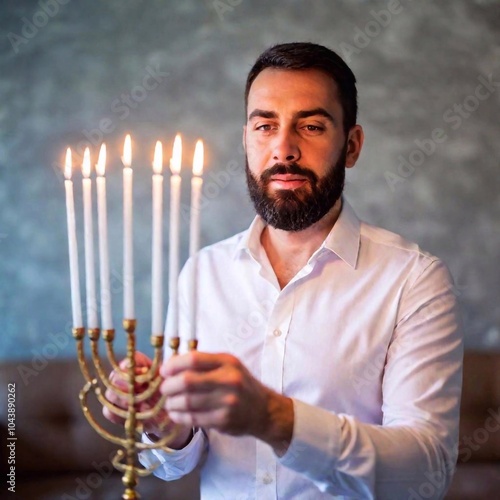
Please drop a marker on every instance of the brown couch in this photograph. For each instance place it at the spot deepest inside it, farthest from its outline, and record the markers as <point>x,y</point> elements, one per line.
<point>58,455</point>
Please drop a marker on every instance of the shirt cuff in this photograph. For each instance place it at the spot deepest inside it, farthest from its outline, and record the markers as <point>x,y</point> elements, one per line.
<point>173,464</point>
<point>315,443</point>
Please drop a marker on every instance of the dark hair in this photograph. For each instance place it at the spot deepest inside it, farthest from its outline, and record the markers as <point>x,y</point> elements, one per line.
<point>304,55</point>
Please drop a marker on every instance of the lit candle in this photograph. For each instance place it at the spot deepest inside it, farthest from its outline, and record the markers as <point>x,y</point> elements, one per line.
<point>102,219</point>
<point>173,267</point>
<point>92,321</point>
<point>76,305</point>
<point>128,262</point>
<point>157,260</point>
<point>194,228</point>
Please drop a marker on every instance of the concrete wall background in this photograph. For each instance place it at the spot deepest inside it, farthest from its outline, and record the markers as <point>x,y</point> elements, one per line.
<point>64,66</point>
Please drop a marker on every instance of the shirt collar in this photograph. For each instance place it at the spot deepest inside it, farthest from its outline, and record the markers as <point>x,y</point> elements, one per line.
<point>250,240</point>
<point>343,239</point>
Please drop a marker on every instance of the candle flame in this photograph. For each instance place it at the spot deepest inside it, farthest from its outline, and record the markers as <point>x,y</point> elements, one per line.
<point>198,158</point>
<point>175,162</point>
<point>101,162</point>
<point>127,152</point>
<point>67,164</point>
<point>86,163</point>
<point>158,158</point>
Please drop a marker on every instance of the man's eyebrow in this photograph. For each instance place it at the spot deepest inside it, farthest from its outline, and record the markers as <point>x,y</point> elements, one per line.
<point>307,113</point>
<point>262,113</point>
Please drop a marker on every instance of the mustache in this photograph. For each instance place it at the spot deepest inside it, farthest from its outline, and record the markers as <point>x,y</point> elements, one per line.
<point>290,168</point>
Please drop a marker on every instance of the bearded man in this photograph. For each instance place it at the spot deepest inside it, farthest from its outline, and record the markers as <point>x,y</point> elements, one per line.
<point>329,358</point>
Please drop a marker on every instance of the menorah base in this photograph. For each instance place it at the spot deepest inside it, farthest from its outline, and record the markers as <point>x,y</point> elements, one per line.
<point>130,493</point>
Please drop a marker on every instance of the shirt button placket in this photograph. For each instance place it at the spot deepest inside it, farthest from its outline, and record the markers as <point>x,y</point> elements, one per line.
<point>272,366</point>
<point>266,484</point>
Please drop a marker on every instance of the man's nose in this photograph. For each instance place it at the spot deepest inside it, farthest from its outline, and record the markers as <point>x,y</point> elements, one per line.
<point>286,147</point>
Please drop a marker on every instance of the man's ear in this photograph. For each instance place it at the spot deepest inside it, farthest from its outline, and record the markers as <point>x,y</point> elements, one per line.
<point>244,138</point>
<point>355,141</point>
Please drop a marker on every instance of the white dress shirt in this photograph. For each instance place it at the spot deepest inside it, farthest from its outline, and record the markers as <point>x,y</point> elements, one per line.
<point>364,338</point>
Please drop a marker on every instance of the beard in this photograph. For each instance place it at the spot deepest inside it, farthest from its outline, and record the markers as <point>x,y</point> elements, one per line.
<point>296,209</point>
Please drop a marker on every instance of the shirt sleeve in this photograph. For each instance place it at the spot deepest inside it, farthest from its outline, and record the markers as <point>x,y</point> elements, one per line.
<point>413,453</point>
<point>173,464</point>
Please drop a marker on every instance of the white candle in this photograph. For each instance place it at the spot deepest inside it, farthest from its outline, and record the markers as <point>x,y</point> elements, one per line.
<point>102,219</point>
<point>128,262</point>
<point>194,228</point>
<point>157,243</point>
<point>92,321</point>
<point>76,305</point>
<point>173,267</point>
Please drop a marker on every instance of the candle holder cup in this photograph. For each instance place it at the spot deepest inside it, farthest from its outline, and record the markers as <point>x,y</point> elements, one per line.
<point>125,460</point>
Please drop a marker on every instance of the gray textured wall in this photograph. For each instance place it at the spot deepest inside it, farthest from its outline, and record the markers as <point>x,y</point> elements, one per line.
<point>63,72</point>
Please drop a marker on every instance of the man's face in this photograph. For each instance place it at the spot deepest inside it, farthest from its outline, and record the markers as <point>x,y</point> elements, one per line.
<point>296,147</point>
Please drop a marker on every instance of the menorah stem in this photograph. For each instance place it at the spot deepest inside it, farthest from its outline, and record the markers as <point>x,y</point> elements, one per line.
<point>130,477</point>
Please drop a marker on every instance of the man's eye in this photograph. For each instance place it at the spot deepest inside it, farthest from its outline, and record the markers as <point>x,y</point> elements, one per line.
<point>265,127</point>
<point>314,128</point>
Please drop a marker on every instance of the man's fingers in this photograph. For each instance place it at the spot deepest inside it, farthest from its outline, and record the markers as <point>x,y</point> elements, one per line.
<point>142,360</point>
<point>142,363</point>
<point>199,402</point>
<point>115,399</point>
<point>188,381</point>
<point>112,417</point>
<point>214,419</point>
<point>195,360</point>
<point>119,381</point>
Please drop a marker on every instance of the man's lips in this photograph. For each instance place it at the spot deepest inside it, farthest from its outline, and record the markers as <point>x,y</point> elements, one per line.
<point>287,181</point>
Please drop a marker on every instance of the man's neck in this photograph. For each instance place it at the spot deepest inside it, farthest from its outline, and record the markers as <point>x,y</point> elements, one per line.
<point>289,251</point>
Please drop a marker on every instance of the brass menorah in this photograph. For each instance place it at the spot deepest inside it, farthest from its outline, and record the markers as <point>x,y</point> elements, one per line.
<point>125,460</point>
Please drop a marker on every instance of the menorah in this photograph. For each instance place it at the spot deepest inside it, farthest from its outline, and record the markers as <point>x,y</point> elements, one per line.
<point>125,460</point>
<point>97,380</point>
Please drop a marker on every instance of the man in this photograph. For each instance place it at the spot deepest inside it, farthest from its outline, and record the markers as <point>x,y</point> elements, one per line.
<point>329,359</point>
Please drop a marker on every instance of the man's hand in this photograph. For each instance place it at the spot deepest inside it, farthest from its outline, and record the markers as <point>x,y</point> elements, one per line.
<point>216,391</point>
<point>161,424</point>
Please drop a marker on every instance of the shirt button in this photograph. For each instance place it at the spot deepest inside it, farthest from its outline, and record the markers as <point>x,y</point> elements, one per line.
<point>267,479</point>
<point>277,332</point>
